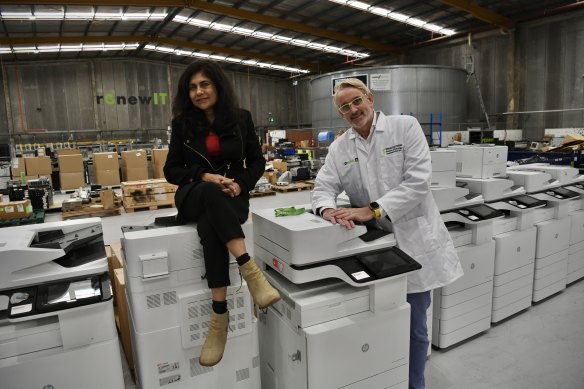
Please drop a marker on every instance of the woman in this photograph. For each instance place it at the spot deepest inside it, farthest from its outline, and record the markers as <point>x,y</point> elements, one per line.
<point>215,159</point>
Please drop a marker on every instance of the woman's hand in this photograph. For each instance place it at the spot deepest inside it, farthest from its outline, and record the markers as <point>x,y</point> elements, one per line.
<point>228,185</point>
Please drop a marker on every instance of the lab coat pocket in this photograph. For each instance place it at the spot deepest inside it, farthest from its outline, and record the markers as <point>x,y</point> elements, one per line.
<point>391,167</point>
<point>414,236</point>
<point>350,176</point>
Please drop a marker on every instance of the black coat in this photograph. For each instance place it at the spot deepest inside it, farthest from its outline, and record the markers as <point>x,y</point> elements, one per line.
<point>241,155</point>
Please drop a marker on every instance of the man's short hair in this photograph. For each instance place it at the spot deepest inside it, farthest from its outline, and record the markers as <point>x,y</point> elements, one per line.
<point>350,83</point>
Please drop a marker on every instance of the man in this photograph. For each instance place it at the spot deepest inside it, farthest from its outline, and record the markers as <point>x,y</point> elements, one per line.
<point>383,164</point>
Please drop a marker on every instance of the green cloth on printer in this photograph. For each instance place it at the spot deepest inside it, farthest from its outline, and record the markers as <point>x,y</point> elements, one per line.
<point>290,211</point>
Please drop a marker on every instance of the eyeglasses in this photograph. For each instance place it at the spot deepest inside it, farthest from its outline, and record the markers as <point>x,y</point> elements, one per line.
<point>346,108</point>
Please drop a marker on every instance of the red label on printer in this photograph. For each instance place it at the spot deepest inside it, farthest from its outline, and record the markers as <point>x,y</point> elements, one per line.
<point>276,264</point>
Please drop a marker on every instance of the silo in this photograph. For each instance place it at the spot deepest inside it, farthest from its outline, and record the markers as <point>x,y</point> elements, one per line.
<point>404,89</point>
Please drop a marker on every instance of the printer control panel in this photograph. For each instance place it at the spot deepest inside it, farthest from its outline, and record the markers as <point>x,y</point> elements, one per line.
<point>524,202</point>
<point>479,212</point>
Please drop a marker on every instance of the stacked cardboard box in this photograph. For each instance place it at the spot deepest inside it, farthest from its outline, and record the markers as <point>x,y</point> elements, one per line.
<point>15,210</point>
<point>67,152</point>
<point>144,193</point>
<point>106,169</point>
<point>134,165</point>
<point>18,166</point>
<point>158,161</point>
<point>37,166</point>
<point>71,171</point>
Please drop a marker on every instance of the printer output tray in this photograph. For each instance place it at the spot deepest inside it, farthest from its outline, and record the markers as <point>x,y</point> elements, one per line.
<point>372,265</point>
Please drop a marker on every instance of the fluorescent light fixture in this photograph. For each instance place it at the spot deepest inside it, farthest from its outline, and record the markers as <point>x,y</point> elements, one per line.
<point>386,13</point>
<point>379,11</point>
<point>359,5</point>
<point>217,57</point>
<point>35,49</point>
<point>89,14</point>
<point>268,36</point>
<point>397,16</point>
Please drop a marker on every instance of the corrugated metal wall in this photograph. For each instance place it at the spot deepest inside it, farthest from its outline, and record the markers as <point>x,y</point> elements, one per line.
<point>548,57</point>
<point>110,95</point>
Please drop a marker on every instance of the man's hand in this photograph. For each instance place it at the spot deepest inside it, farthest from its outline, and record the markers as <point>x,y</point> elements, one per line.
<point>347,216</point>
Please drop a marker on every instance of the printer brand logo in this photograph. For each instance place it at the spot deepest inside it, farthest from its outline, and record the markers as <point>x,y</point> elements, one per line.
<point>158,98</point>
<point>48,387</point>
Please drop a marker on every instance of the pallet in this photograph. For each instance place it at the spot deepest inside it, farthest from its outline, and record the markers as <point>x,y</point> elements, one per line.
<point>149,206</point>
<point>91,211</point>
<point>294,187</point>
<point>269,192</point>
<point>37,217</point>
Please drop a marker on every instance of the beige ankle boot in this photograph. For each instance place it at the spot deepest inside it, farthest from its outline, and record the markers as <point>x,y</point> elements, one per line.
<point>214,345</point>
<point>262,292</point>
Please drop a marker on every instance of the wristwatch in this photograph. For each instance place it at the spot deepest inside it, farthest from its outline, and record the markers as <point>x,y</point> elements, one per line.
<point>376,209</point>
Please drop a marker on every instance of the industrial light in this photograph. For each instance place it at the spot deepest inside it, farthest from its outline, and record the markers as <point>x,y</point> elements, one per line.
<point>267,36</point>
<point>248,62</point>
<point>386,13</point>
<point>89,14</point>
<point>35,49</point>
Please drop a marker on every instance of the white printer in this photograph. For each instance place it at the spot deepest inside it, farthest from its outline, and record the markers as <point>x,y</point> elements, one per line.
<point>576,250</point>
<point>57,327</point>
<point>462,309</point>
<point>515,242</point>
<point>480,161</point>
<point>170,306</point>
<point>343,321</point>
<point>553,233</point>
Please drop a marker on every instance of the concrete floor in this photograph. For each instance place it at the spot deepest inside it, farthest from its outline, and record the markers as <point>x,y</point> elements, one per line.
<point>540,348</point>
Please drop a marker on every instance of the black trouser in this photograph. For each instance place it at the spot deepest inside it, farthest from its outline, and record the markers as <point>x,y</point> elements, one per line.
<point>219,218</point>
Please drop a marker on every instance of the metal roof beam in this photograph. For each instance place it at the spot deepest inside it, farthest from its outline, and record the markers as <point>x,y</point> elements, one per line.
<point>232,12</point>
<point>481,13</point>
<point>39,40</point>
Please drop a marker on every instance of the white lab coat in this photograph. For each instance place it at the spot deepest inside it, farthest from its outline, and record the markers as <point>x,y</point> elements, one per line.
<point>395,174</point>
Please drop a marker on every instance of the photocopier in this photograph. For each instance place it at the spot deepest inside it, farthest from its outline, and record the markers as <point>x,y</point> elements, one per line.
<point>169,306</point>
<point>57,327</point>
<point>515,242</point>
<point>570,179</point>
<point>553,226</point>
<point>462,309</point>
<point>343,320</point>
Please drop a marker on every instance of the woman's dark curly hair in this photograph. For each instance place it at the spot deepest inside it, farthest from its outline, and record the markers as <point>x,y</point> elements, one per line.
<point>226,107</point>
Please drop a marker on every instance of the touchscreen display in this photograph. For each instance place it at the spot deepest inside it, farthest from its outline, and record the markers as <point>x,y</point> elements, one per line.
<point>482,210</point>
<point>565,192</point>
<point>527,200</point>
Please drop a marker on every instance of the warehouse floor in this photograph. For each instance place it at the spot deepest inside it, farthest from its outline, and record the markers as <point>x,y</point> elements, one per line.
<point>540,348</point>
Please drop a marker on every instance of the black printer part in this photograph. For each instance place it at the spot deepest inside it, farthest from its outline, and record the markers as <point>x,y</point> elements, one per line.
<point>56,296</point>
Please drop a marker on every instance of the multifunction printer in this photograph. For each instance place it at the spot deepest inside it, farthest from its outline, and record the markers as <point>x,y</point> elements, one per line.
<point>57,327</point>
<point>170,306</point>
<point>343,320</point>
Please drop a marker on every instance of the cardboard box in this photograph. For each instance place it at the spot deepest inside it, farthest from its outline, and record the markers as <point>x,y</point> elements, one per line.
<point>67,152</point>
<point>107,177</point>
<point>159,156</point>
<point>106,197</point>
<point>18,165</point>
<point>105,161</point>
<point>158,161</point>
<point>72,180</point>
<point>38,166</point>
<point>280,165</point>
<point>134,165</point>
<point>122,316</point>
<point>15,210</point>
<point>72,163</point>
<point>271,177</point>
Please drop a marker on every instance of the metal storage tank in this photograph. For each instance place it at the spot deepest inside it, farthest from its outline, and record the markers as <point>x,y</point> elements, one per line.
<point>403,89</point>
